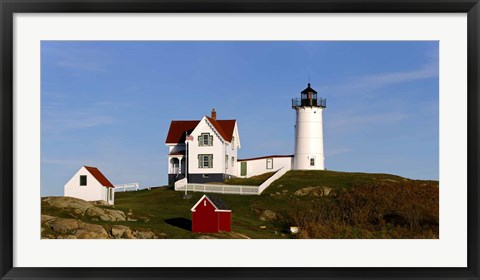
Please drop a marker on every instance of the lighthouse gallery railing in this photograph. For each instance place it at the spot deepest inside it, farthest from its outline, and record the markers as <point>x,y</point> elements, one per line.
<point>298,102</point>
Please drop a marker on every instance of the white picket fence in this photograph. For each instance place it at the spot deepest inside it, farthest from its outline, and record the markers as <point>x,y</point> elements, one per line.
<point>183,185</point>
<point>216,188</point>
<point>126,187</point>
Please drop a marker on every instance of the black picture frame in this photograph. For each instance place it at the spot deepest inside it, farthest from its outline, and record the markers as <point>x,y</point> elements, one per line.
<point>10,7</point>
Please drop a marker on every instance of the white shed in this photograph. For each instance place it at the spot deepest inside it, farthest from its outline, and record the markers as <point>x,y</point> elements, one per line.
<point>91,185</point>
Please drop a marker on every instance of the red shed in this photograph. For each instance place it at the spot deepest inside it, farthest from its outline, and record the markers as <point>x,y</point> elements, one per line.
<point>210,214</point>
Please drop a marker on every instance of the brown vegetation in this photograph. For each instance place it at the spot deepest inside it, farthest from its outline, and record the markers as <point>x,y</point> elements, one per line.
<point>379,210</point>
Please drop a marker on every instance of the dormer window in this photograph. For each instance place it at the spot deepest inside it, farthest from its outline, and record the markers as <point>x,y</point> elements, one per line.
<point>205,139</point>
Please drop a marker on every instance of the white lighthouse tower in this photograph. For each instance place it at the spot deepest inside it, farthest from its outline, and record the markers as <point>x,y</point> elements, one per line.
<point>309,131</point>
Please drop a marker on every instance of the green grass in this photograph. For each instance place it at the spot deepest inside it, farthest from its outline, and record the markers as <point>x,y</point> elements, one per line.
<point>160,205</point>
<point>294,180</point>
<point>252,181</point>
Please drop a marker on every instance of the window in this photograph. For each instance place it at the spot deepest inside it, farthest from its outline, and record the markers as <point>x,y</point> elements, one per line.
<point>205,161</point>
<point>205,139</point>
<point>110,194</point>
<point>233,161</point>
<point>269,163</point>
<point>312,162</point>
<point>233,143</point>
<point>226,162</point>
<point>83,180</point>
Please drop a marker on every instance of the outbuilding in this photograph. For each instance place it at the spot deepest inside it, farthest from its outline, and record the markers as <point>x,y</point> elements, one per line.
<point>210,215</point>
<point>91,185</point>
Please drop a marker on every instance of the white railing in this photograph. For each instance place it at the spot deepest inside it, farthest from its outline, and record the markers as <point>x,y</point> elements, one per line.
<point>180,184</point>
<point>280,172</point>
<point>214,188</point>
<point>183,185</point>
<point>174,170</point>
<point>125,187</point>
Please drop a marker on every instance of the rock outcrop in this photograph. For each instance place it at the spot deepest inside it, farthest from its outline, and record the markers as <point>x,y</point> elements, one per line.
<point>119,231</point>
<point>268,215</point>
<point>314,191</point>
<point>74,228</point>
<point>84,208</point>
<point>81,213</point>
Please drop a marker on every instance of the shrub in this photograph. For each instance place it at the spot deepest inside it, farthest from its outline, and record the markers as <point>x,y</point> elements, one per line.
<point>381,210</point>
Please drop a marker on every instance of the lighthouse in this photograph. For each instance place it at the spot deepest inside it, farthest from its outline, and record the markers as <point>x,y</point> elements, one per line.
<point>309,131</point>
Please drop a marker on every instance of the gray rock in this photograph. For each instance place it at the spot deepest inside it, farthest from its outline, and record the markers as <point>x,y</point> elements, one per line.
<point>64,226</point>
<point>326,191</point>
<point>82,207</point>
<point>106,214</point>
<point>268,215</point>
<point>91,231</point>
<point>314,191</point>
<point>119,231</point>
<point>100,202</point>
<point>145,235</point>
<point>46,218</point>
<point>66,202</point>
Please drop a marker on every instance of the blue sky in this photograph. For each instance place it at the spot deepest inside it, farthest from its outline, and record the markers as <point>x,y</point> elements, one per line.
<point>109,104</point>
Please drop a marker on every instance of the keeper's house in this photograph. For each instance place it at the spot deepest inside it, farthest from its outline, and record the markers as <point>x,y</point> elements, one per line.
<point>205,150</point>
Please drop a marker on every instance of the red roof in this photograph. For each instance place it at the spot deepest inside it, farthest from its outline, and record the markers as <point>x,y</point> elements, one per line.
<point>224,127</point>
<point>216,201</point>
<point>274,156</point>
<point>99,176</point>
<point>176,133</point>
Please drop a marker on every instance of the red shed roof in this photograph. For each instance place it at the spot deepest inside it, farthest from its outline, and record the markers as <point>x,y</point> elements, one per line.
<point>176,133</point>
<point>99,176</point>
<point>216,201</point>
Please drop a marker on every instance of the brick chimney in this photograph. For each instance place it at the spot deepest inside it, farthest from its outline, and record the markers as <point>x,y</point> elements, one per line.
<point>214,114</point>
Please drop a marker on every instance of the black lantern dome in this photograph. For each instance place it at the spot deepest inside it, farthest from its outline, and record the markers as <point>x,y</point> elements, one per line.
<point>309,98</point>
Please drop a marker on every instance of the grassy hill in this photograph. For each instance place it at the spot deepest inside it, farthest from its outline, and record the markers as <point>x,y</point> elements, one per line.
<point>358,205</point>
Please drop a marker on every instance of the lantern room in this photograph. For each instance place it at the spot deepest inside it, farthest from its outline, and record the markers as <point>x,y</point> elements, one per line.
<point>308,98</point>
